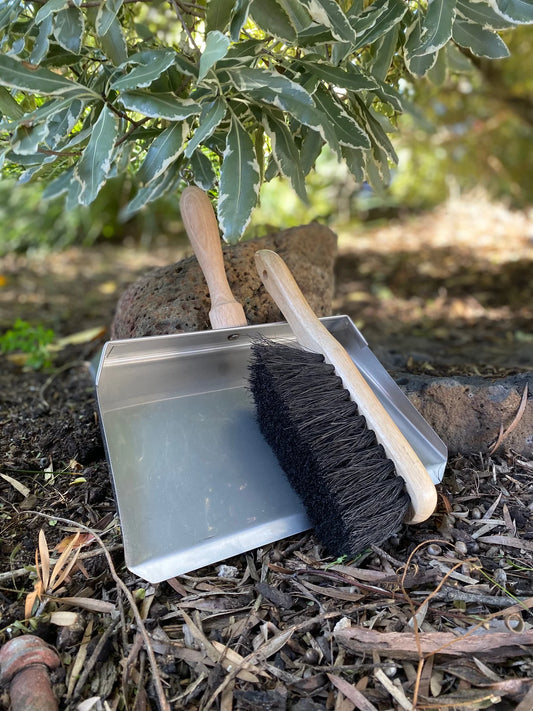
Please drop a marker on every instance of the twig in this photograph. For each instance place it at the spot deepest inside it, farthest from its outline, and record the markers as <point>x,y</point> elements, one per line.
<point>504,433</point>
<point>163,703</point>
<point>89,666</point>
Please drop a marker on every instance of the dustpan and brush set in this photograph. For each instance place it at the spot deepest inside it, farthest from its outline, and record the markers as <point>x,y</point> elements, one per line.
<point>225,440</point>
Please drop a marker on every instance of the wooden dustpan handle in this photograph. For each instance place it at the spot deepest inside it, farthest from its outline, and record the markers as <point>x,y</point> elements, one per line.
<point>202,229</point>
<point>314,336</point>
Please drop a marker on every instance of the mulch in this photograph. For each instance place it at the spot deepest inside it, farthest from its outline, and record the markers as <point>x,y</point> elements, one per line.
<point>438,617</point>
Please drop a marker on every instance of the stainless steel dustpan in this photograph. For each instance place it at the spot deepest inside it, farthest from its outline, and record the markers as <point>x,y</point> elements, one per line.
<point>194,480</point>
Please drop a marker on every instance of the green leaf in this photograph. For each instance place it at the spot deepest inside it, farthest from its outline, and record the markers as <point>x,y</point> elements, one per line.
<point>164,106</point>
<point>437,73</point>
<point>150,66</point>
<point>350,79</point>
<point>216,47</point>
<point>483,14</point>
<point>347,130</point>
<point>436,27</point>
<point>273,19</point>
<point>519,11</point>
<point>298,15</point>
<point>68,29</point>
<point>310,150</point>
<point>8,105</point>
<point>59,185</point>
<point>49,8</point>
<point>239,183</point>
<point>285,153</point>
<point>355,162</point>
<point>164,151</point>
<point>151,192</point>
<point>329,14</point>
<point>239,17</point>
<point>42,41</point>
<point>39,81</point>
<point>389,14</point>
<point>218,14</point>
<point>107,12</point>
<point>113,44</point>
<point>212,114</point>
<point>384,50</point>
<point>204,175</point>
<point>482,43</point>
<point>374,130</point>
<point>92,168</point>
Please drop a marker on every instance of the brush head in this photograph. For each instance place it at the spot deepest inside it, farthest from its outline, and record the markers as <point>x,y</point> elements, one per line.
<point>348,486</point>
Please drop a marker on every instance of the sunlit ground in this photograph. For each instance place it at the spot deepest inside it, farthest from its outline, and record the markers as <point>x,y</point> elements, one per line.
<point>452,284</point>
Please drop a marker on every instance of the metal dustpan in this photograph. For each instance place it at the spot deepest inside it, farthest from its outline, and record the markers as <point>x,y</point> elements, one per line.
<point>194,480</point>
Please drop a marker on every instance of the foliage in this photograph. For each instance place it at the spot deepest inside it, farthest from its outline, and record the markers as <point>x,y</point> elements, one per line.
<point>226,94</point>
<point>31,340</point>
<point>476,131</point>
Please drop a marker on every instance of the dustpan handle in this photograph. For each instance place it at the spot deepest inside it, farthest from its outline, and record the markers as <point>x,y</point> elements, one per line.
<point>314,336</point>
<point>202,229</point>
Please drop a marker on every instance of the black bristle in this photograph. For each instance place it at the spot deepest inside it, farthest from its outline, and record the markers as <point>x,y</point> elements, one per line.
<point>349,488</point>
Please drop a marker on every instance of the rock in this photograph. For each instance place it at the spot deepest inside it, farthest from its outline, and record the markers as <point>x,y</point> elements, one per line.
<point>467,412</point>
<point>174,298</point>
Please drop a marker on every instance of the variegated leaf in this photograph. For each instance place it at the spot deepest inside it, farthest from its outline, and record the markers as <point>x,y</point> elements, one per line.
<point>348,131</point>
<point>519,11</point>
<point>436,27</point>
<point>42,41</point>
<point>285,153</point>
<point>238,19</point>
<point>69,25</point>
<point>107,12</point>
<point>212,114</point>
<point>150,66</point>
<point>330,14</point>
<point>481,42</point>
<point>355,162</point>
<point>417,65</point>
<point>164,151</point>
<point>49,8</point>
<point>62,123</point>
<point>26,139</point>
<point>390,13</point>
<point>202,169</point>
<point>39,81</point>
<point>383,53</point>
<point>92,168</point>
<point>349,78</point>
<point>239,183</point>
<point>216,46</point>
<point>482,14</point>
<point>151,192</point>
<point>164,106</point>
<point>373,129</point>
<point>59,185</point>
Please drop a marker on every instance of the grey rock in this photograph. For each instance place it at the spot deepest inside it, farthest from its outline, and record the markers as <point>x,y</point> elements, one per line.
<point>175,298</point>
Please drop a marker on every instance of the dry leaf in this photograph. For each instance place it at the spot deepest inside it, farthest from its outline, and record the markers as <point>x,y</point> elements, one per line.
<point>17,485</point>
<point>352,693</point>
<point>64,618</point>
<point>404,645</point>
<point>82,539</point>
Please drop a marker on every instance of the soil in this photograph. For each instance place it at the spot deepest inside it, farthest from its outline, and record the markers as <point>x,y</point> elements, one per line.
<point>281,627</point>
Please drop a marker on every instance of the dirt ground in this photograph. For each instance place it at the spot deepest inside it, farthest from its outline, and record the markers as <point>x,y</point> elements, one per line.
<point>439,617</point>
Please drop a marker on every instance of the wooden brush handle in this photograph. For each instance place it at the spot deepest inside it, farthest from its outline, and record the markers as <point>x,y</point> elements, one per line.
<point>201,226</point>
<point>314,336</point>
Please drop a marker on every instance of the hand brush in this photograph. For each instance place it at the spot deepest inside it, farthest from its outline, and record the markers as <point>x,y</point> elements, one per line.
<point>355,472</point>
